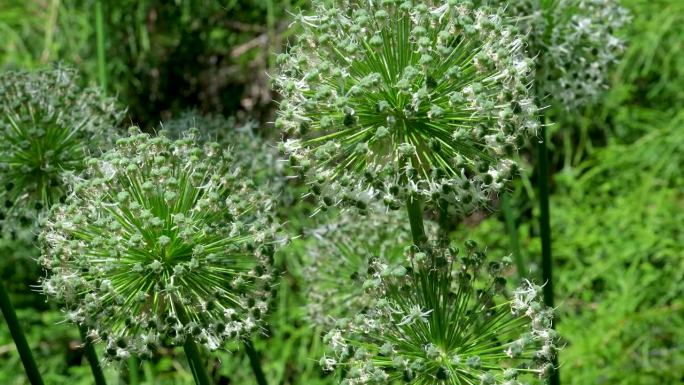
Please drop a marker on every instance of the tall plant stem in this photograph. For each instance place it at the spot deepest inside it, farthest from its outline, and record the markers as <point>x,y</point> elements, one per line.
<point>415,213</point>
<point>99,34</point>
<point>509,217</point>
<point>91,356</point>
<point>133,377</point>
<point>270,24</point>
<point>545,231</point>
<point>19,339</point>
<point>199,372</point>
<point>255,363</point>
<point>444,222</point>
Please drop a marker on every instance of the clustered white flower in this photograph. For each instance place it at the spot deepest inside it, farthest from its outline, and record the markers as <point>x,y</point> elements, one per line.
<point>391,99</point>
<point>49,125</point>
<point>444,319</point>
<point>337,257</point>
<point>241,144</point>
<point>160,241</point>
<point>574,43</point>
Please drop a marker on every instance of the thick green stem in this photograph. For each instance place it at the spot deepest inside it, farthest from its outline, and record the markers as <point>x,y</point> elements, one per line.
<point>199,372</point>
<point>100,39</point>
<point>545,232</point>
<point>509,216</point>
<point>19,339</point>
<point>444,222</point>
<point>133,377</point>
<point>415,213</point>
<point>91,356</point>
<point>255,363</point>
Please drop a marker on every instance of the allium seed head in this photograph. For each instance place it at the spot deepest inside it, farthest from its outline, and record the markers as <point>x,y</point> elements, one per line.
<point>160,241</point>
<point>382,99</point>
<point>574,43</point>
<point>342,257</point>
<point>240,143</point>
<point>449,320</point>
<point>48,126</point>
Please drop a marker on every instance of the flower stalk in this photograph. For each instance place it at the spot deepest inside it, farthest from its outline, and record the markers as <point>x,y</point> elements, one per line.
<point>100,38</point>
<point>192,353</point>
<point>509,218</point>
<point>545,232</point>
<point>91,356</point>
<point>415,213</point>
<point>19,338</point>
<point>255,363</point>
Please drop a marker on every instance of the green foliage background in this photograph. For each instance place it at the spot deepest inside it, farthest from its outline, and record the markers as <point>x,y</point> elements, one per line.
<point>617,202</point>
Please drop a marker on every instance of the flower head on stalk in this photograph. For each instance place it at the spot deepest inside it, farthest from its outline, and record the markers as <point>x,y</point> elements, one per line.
<point>574,43</point>
<point>49,126</point>
<point>242,145</point>
<point>386,99</point>
<point>351,244</point>
<point>446,320</point>
<point>161,241</point>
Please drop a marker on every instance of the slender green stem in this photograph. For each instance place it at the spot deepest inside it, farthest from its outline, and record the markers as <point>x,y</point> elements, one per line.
<point>444,222</point>
<point>270,24</point>
<point>255,362</point>
<point>199,373</point>
<point>50,31</point>
<point>19,339</point>
<point>91,356</point>
<point>509,217</point>
<point>101,59</point>
<point>415,212</point>
<point>133,377</point>
<point>545,231</point>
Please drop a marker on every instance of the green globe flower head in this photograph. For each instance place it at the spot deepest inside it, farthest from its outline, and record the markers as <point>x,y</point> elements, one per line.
<point>390,99</point>
<point>351,244</point>
<point>160,241</point>
<point>446,320</point>
<point>241,144</point>
<point>574,43</point>
<point>49,126</point>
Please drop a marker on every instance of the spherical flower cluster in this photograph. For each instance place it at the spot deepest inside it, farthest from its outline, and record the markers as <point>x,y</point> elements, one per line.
<point>574,43</point>
<point>241,145</point>
<point>445,319</point>
<point>391,99</point>
<point>351,244</point>
<point>160,241</point>
<point>48,126</point>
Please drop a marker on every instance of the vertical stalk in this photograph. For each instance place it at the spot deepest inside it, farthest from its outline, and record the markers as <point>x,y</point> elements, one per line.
<point>444,222</point>
<point>509,217</point>
<point>91,356</point>
<point>270,24</point>
<point>192,353</point>
<point>415,213</point>
<point>133,378</point>
<point>199,373</point>
<point>50,31</point>
<point>545,232</point>
<point>99,34</point>
<point>255,363</point>
<point>19,338</point>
